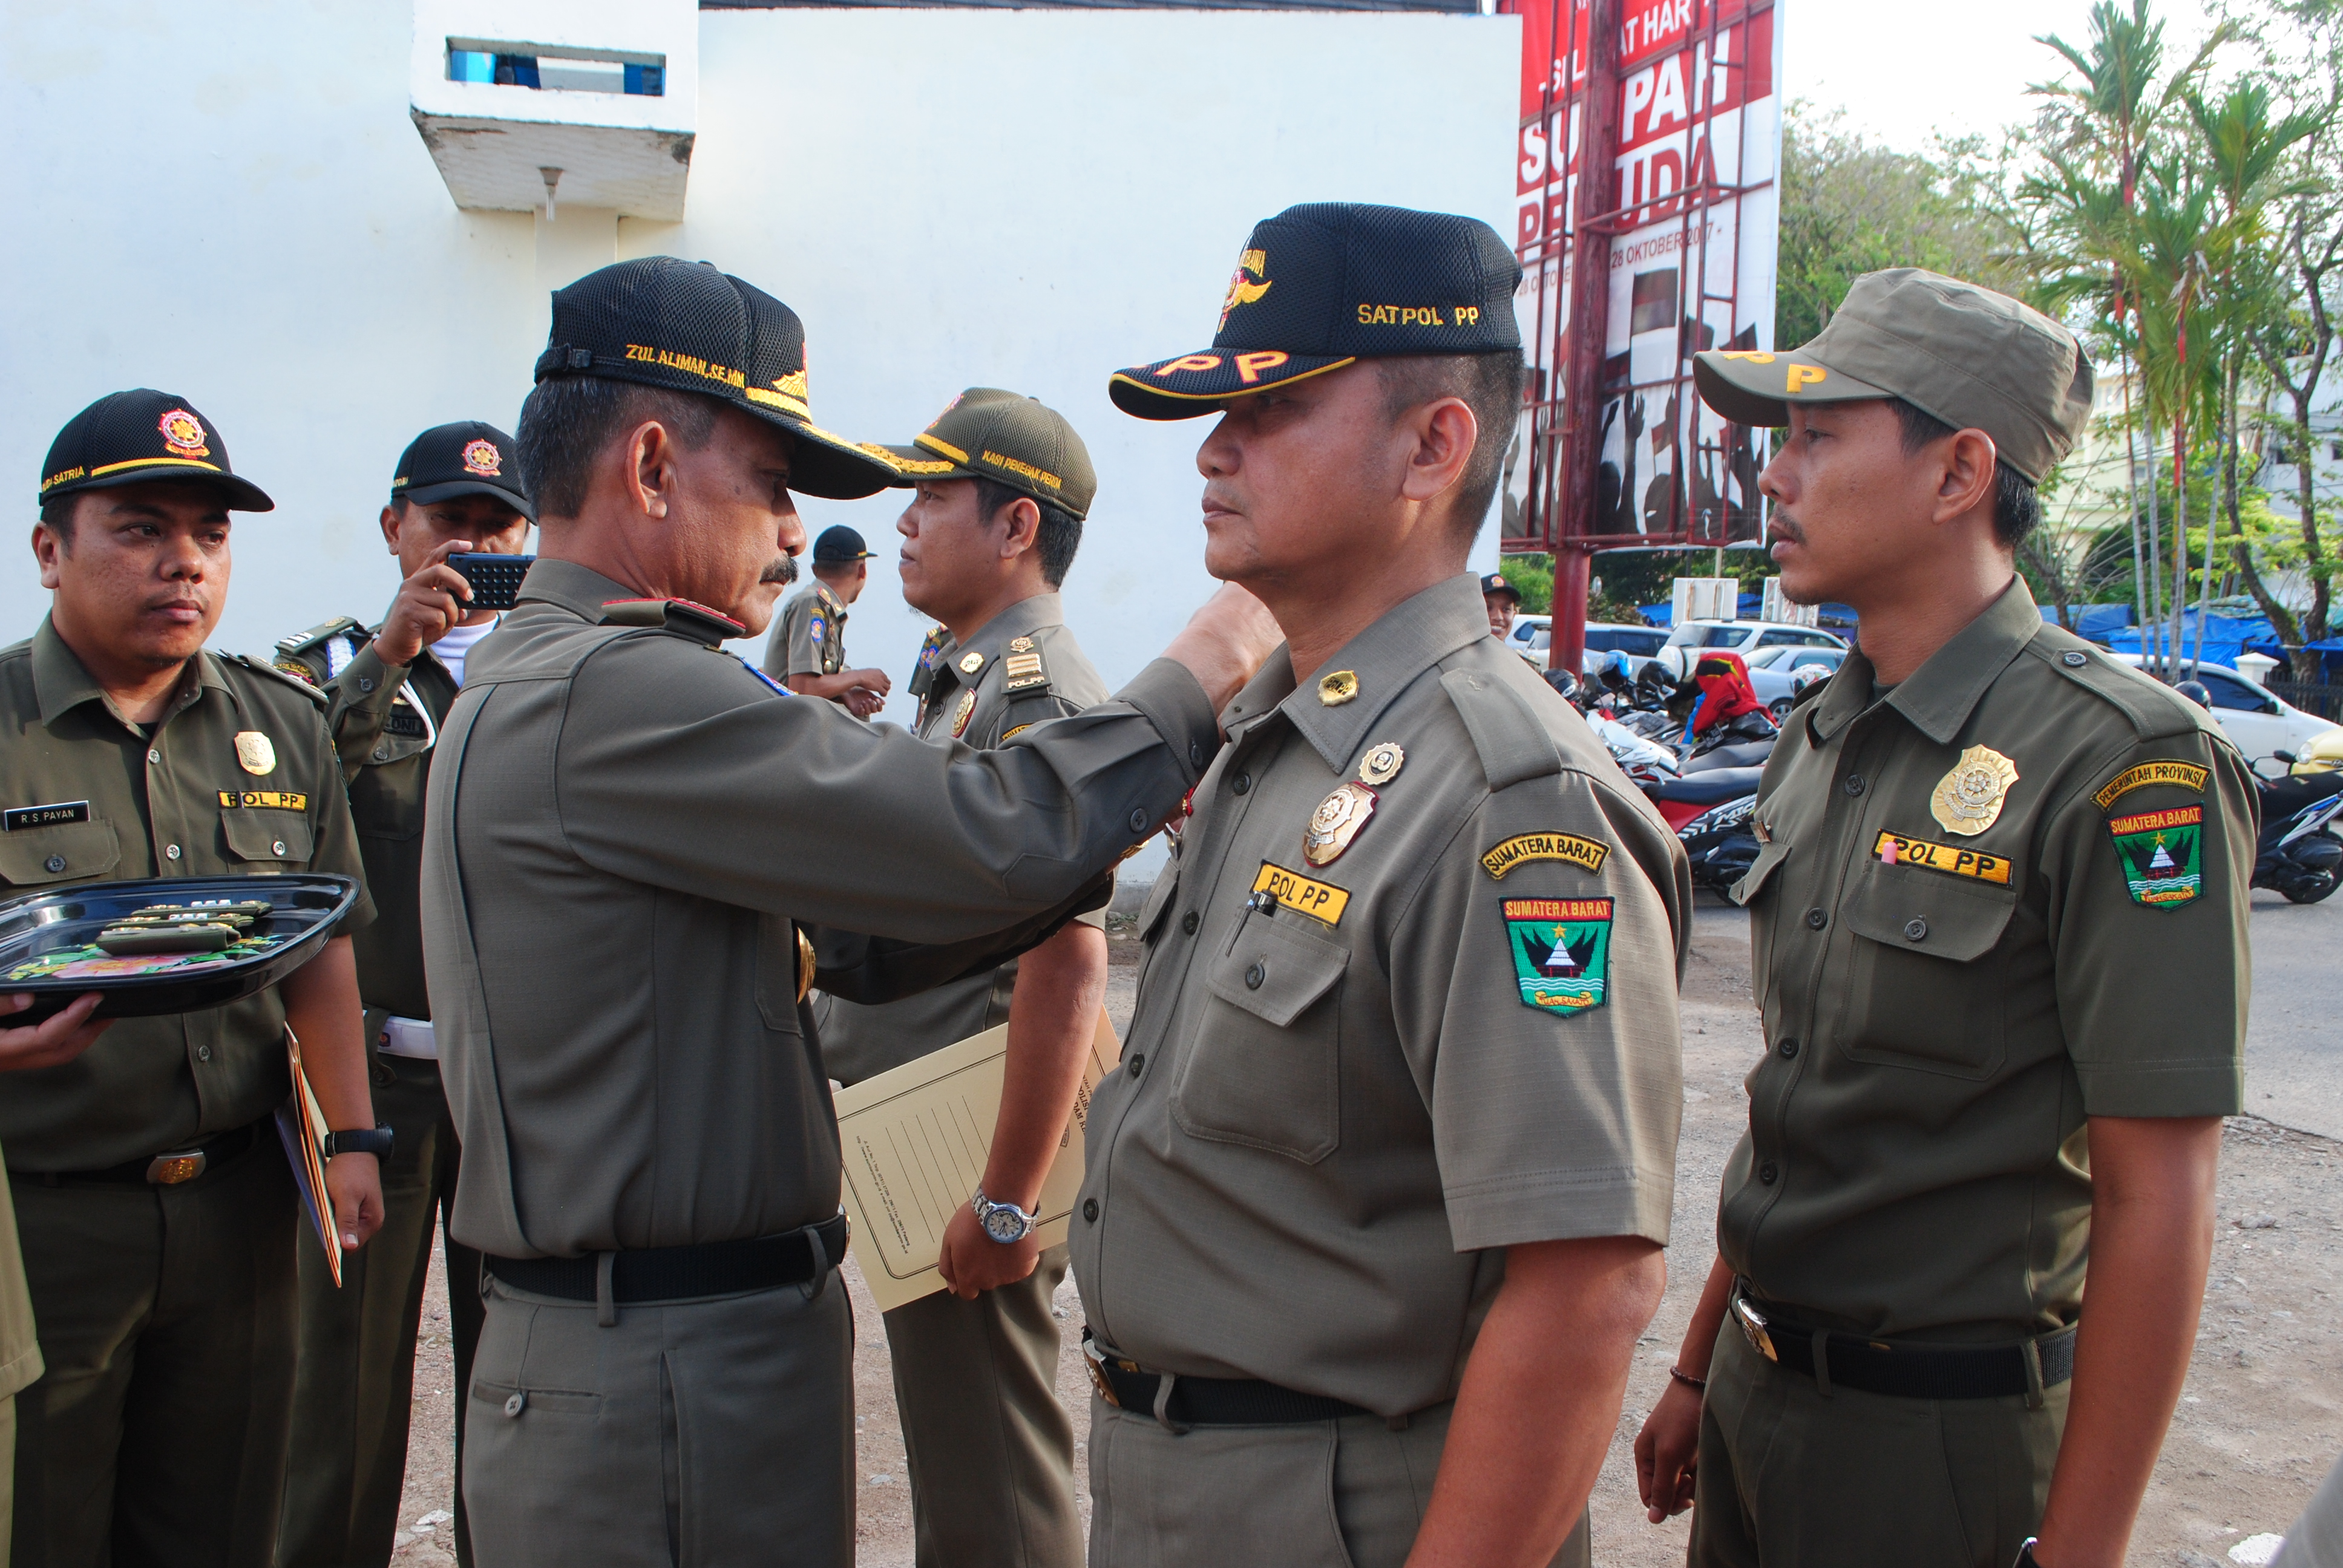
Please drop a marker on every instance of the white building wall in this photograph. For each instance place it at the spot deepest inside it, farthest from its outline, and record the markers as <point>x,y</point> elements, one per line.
<point>230,202</point>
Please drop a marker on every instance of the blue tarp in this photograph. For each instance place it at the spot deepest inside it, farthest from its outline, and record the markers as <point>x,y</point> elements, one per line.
<point>2093,622</point>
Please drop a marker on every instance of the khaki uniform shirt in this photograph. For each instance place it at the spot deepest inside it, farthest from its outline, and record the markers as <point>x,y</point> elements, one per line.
<point>809,637</point>
<point>1350,1084</point>
<point>1022,669</point>
<point>385,722</point>
<point>20,1345</point>
<point>155,808</point>
<point>1945,1005</point>
<point>624,825</point>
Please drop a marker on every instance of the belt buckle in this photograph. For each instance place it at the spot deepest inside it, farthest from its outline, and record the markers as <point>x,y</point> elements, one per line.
<point>1094,1362</point>
<point>170,1170</point>
<point>1752,1323</point>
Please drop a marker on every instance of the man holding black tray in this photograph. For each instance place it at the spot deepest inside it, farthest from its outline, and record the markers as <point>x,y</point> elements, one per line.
<point>158,1219</point>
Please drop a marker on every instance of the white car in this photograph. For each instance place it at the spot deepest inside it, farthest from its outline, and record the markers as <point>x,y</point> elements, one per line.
<point>1748,637</point>
<point>1774,671</point>
<point>2258,722</point>
<point>1533,638</point>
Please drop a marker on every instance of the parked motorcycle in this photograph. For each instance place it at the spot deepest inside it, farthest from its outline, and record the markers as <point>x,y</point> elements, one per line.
<point>2300,852</point>
<point>1721,842</point>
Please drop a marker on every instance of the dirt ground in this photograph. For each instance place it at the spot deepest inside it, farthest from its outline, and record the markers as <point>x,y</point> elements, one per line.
<point>2259,1423</point>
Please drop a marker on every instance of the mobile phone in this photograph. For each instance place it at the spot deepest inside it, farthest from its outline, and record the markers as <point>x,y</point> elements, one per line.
<point>495,580</point>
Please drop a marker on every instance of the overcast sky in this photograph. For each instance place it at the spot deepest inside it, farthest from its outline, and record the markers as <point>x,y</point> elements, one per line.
<point>1904,71</point>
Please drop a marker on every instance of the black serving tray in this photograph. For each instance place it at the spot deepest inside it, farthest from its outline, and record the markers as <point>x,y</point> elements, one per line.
<point>304,909</point>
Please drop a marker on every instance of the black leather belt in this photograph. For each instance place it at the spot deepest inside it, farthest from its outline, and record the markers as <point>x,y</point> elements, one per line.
<point>681,1273</point>
<point>170,1168</point>
<point>1903,1371</point>
<point>1206,1401</point>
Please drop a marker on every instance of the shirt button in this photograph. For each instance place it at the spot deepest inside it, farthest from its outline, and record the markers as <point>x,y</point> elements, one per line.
<point>366,683</point>
<point>170,851</point>
<point>1188,922</point>
<point>1137,1064</point>
<point>1138,818</point>
<point>1254,975</point>
<point>203,1053</point>
<point>1817,919</point>
<point>1788,1047</point>
<point>516,1404</point>
<point>2075,661</point>
<point>1090,1210</point>
<point>1195,754</point>
<point>1240,783</point>
<point>278,845</point>
<point>153,756</point>
<point>1854,783</point>
<point>382,753</point>
<point>1916,930</point>
<point>1769,1173</point>
<point>56,863</point>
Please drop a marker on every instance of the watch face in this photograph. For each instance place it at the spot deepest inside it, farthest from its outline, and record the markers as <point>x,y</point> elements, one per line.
<point>1005,1225</point>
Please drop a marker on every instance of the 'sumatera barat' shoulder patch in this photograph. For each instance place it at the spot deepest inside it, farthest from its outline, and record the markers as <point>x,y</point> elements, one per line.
<point>2162,855</point>
<point>1521,848</point>
<point>1562,952</point>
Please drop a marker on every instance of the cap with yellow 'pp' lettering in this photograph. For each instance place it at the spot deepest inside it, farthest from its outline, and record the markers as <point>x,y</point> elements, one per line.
<point>1322,285</point>
<point>144,437</point>
<point>1965,356</point>
<point>1020,442</point>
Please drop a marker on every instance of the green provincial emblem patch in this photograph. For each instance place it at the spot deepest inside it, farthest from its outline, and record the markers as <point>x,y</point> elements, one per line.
<point>2161,853</point>
<point>1562,952</point>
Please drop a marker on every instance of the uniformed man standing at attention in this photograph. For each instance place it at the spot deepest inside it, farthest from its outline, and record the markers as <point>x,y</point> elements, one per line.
<point>1998,921</point>
<point>1375,1200</point>
<point>456,489</point>
<point>627,832</point>
<point>1002,487</point>
<point>807,652</point>
<point>157,1216</point>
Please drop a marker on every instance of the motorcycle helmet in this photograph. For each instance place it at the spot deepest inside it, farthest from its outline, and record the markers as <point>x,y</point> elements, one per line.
<point>1562,681</point>
<point>2197,692</point>
<point>1612,671</point>
<point>1808,674</point>
<point>2321,754</point>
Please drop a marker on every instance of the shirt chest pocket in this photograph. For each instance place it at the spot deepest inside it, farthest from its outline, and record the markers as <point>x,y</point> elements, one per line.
<point>1265,1067</point>
<point>268,835</point>
<point>68,852</point>
<point>1925,988</point>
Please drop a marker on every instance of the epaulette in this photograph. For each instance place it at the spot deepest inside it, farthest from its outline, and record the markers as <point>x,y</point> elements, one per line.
<point>1023,668</point>
<point>263,666</point>
<point>1508,734</point>
<point>2155,710</point>
<point>302,642</point>
<point>696,621</point>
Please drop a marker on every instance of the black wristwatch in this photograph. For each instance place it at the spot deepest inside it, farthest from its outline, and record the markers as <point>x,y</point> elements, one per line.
<point>2026,1554</point>
<point>377,1141</point>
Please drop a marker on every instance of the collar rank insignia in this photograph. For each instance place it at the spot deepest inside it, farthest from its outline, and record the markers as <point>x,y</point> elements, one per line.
<point>1336,822</point>
<point>1335,689</point>
<point>1967,800</point>
<point>970,662</point>
<point>1382,763</point>
<point>1562,952</point>
<point>2161,852</point>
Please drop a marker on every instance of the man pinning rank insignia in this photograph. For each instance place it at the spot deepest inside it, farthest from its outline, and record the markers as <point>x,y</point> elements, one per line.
<point>1402,1090</point>
<point>159,1221</point>
<point>1999,927</point>
<point>456,489</point>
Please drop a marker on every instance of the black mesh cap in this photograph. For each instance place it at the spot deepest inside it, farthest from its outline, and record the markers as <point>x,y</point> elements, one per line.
<point>1319,287</point>
<point>137,437</point>
<point>689,327</point>
<point>465,458</point>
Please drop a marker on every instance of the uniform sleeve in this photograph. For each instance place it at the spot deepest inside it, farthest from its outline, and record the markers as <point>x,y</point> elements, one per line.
<point>2150,868</point>
<point>336,851</point>
<point>676,768</point>
<point>1534,986</point>
<point>794,649</point>
<point>362,695</point>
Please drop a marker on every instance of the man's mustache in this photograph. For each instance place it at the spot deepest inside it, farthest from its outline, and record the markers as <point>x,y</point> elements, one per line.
<point>784,569</point>
<point>1781,527</point>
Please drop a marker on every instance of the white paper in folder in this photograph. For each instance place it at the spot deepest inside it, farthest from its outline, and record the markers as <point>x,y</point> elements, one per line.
<point>915,1141</point>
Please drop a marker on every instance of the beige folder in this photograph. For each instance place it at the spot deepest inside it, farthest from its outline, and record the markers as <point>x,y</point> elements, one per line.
<point>915,1141</point>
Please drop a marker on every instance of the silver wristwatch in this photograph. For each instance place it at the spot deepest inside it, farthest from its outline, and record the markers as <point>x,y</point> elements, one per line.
<point>1004,1222</point>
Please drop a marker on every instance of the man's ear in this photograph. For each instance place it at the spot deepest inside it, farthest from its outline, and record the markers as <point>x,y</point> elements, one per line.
<point>48,549</point>
<point>1444,432</point>
<point>1965,481</point>
<point>391,517</point>
<point>650,477</point>
<point>1024,530</point>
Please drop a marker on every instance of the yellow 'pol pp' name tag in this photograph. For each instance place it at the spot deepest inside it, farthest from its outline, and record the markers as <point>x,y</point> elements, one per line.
<point>275,798</point>
<point>1525,847</point>
<point>1319,900</point>
<point>1943,857</point>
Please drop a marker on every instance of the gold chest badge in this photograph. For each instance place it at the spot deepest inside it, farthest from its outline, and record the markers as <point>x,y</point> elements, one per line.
<point>1382,763</point>
<point>254,751</point>
<point>1967,800</point>
<point>1336,822</point>
<point>960,716</point>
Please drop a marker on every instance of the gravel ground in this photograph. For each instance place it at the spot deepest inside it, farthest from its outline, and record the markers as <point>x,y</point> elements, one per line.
<point>2260,1420</point>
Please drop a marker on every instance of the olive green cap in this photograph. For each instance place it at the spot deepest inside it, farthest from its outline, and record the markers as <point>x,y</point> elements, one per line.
<point>987,434</point>
<point>1965,355</point>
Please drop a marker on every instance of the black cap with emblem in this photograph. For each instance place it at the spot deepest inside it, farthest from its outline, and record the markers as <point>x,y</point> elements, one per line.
<point>839,544</point>
<point>1494,583</point>
<point>139,437</point>
<point>689,327</point>
<point>465,458</point>
<point>1319,287</point>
